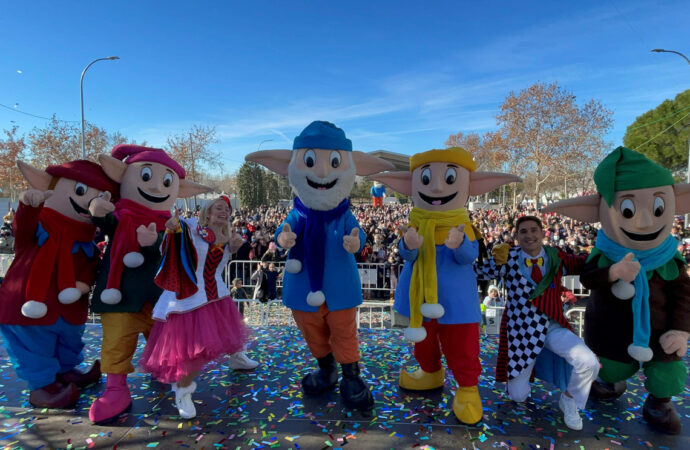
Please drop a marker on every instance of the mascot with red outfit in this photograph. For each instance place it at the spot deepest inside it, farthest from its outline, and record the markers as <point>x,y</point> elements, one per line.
<point>44,300</point>
<point>125,293</point>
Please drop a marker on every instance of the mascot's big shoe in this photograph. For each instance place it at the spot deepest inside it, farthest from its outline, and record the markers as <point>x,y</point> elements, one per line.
<point>607,391</point>
<point>661,415</point>
<point>115,400</point>
<point>354,390</point>
<point>323,379</point>
<point>81,379</point>
<point>55,395</point>
<point>422,381</point>
<point>467,405</point>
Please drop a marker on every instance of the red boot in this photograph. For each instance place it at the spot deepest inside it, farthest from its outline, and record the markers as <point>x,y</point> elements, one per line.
<point>115,400</point>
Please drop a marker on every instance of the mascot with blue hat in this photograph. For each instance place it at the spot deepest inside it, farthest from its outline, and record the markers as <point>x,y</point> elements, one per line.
<point>321,284</point>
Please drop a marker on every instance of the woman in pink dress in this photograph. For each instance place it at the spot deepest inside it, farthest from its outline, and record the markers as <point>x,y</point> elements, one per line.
<point>196,320</point>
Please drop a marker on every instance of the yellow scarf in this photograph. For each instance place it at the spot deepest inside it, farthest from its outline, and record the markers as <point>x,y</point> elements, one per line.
<point>433,226</point>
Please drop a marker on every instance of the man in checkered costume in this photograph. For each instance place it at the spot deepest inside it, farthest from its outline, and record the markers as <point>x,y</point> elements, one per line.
<point>535,336</point>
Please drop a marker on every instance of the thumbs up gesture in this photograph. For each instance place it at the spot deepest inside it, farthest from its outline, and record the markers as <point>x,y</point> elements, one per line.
<point>173,223</point>
<point>351,241</point>
<point>101,205</point>
<point>146,236</point>
<point>455,237</point>
<point>412,239</point>
<point>286,238</point>
<point>626,269</point>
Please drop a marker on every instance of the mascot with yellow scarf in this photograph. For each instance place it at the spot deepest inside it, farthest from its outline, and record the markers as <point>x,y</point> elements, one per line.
<point>437,289</point>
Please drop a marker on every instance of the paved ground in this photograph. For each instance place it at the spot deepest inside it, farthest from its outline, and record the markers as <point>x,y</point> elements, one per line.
<point>265,409</point>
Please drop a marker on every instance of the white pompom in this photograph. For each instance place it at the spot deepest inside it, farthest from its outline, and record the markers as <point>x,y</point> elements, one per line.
<point>415,334</point>
<point>293,266</point>
<point>69,296</point>
<point>316,298</point>
<point>111,296</point>
<point>133,259</point>
<point>34,310</point>
<point>623,290</point>
<point>432,310</point>
<point>642,354</point>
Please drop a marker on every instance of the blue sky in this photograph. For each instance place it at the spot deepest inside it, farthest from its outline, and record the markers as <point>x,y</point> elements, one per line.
<point>395,75</point>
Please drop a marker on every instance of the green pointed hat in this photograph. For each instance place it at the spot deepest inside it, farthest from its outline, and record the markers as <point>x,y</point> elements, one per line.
<point>624,169</point>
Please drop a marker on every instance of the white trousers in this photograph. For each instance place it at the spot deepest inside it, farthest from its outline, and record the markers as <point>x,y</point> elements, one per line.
<point>570,347</point>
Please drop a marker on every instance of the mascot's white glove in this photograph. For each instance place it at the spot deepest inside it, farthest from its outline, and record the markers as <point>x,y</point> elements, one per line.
<point>675,341</point>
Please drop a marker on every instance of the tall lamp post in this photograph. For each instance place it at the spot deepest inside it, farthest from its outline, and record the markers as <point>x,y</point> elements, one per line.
<point>81,88</point>
<point>687,177</point>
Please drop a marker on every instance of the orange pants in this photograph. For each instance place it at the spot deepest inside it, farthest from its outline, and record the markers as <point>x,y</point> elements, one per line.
<point>378,201</point>
<point>330,332</point>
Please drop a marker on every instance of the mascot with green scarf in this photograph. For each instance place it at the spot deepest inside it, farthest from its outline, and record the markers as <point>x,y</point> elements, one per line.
<point>437,289</point>
<point>639,310</point>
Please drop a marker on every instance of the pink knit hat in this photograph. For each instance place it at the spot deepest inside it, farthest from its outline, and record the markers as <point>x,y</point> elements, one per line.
<point>87,172</point>
<point>137,153</point>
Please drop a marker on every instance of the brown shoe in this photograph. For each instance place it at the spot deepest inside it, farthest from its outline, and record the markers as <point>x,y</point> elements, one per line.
<point>607,391</point>
<point>661,415</point>
<point>81,379</point>
<point>55,395</point>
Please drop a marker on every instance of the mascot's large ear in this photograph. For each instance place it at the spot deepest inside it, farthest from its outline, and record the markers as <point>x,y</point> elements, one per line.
<point>36,178</point>
<point>585,209</point>
<point>369,165</point>
<point>483,182</point>
<point>398,181</point>
<point>190,189</point>
<point>113,167</point>
<point>682,198</point>
<point>274,160</point>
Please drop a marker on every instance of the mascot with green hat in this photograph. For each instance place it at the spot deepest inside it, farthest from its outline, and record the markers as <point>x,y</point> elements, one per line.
<point>639,309</point>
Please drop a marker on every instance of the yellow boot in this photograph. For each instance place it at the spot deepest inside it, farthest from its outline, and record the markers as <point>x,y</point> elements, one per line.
<point>467,405</point>
<point>422,381</point>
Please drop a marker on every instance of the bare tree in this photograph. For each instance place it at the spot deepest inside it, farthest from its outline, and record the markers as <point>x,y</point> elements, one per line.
<point>192,150</point>
<point>548,134</point>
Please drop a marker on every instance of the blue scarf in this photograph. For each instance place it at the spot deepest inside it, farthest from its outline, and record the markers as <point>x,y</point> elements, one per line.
<point>649,260</point>
<point>313,243</point>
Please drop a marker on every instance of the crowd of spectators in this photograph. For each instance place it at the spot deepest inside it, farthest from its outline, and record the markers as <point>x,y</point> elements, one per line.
<point>383,228</point>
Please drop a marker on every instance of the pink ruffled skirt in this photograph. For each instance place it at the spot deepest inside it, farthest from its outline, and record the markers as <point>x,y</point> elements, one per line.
<point>187,341</point>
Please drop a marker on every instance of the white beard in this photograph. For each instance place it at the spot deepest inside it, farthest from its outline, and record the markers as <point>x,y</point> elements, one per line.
<point>322,200</point>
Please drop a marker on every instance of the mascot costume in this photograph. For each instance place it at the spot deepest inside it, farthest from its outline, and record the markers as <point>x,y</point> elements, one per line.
<point>437,289</point>
<point>638,313</point>
<point>125,293</point>
<point>321,283</point>
<point>44,299</point>
<point>378,193</point>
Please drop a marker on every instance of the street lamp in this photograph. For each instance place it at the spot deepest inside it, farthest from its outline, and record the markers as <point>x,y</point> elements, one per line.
<point>81,87</point>
<point>259,146</point>
<point>687,177</point>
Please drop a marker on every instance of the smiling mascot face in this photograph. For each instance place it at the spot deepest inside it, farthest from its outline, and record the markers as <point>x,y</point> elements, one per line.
<point>636,201</point>
<point>150,184</point>
<point>72,186</point>
<point>440,186</point>
<point>321,178</point>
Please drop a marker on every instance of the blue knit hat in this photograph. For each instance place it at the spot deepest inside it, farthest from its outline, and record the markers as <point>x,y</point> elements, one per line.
<point>324,135</point>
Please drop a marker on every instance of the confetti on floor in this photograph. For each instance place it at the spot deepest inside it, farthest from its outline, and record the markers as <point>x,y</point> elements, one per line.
<point>265,408</point>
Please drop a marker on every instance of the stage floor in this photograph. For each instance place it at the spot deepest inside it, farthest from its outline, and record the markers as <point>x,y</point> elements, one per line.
<point>265,408</point>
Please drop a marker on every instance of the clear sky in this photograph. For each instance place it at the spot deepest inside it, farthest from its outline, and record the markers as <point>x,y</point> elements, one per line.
<point>396,75</point>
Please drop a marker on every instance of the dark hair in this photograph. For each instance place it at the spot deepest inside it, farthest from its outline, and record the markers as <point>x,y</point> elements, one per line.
<point>527,219</point>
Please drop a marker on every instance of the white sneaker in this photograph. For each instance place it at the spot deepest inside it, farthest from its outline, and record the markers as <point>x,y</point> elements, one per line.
<point>241,361</point>
<point>571,416</point>
<point>183,400</point>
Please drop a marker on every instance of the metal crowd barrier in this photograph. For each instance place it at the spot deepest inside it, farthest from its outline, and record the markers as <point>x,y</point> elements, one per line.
<point>576,317</point>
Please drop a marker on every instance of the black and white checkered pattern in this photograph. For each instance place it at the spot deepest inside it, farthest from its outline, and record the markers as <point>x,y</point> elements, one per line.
<point>526,325</point>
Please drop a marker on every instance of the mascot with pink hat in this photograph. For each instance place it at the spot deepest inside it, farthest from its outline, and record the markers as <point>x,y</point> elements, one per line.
<point>44,299</point>
<point>125,293</point>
